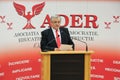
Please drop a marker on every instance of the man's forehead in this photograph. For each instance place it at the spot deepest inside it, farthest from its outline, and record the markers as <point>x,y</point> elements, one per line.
<point>55,19</point>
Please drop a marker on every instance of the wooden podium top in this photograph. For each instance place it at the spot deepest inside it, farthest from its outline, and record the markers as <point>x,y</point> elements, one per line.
<point>67,52</point>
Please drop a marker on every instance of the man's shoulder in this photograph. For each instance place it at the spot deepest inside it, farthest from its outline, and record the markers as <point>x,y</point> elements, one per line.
<point>62,28</point>
<point>46,30</point>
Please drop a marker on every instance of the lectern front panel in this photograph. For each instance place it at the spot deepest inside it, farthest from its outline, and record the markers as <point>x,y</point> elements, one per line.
<point>67,67</point>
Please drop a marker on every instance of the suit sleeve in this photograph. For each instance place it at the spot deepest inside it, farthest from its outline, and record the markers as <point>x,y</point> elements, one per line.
<point>44,42</point>
<point>69,38</point>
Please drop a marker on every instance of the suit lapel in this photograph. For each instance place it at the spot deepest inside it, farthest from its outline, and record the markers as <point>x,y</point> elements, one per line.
<point>62,35</point>
<point>52,37</point>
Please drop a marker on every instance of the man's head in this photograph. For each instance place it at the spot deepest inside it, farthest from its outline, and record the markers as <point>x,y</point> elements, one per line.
<point>55,21</point>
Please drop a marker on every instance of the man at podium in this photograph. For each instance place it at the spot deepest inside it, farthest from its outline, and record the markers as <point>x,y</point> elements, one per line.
<point>56,38</point>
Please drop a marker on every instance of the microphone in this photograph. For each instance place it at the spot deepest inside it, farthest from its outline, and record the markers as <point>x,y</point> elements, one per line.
<point>50,43</point>
<point>84,43</point>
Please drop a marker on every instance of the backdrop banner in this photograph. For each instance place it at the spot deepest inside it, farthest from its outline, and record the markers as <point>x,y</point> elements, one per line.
<point>92,22</point>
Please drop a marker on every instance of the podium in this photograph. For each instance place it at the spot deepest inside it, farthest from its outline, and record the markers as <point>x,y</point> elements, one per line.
<point>66,65</point>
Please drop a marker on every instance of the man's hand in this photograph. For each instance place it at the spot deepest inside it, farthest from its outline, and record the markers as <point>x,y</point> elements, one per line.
<point>56,49</point>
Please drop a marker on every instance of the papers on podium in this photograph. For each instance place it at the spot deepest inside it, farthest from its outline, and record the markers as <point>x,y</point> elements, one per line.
<point>66,47</point>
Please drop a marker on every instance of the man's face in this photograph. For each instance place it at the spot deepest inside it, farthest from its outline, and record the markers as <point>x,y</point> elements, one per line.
<point>55,23</point>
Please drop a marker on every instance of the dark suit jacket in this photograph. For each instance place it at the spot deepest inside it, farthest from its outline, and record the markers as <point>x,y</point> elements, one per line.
<point>48,41</point>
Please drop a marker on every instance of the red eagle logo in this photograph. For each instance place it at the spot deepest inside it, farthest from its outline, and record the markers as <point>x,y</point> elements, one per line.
<point>36,9</point>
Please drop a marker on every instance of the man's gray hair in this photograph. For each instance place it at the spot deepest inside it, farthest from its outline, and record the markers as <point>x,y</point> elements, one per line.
<point>55,16</point>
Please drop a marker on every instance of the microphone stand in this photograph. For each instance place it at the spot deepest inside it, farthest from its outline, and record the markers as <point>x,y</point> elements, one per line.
<point>50,43</point>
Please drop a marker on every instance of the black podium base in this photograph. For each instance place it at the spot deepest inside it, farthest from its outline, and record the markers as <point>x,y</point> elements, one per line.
<point>67,67</point>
